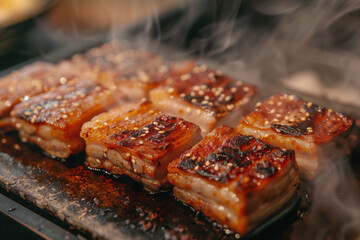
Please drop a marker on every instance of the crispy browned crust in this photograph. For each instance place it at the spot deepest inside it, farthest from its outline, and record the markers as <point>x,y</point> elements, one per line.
<point>67,107</point>
<point>28,81</point>
<point>211,90</point>
<point>225,156</point>
<point>234,179</point>
<point>288,115</point>
<point>144,132</point>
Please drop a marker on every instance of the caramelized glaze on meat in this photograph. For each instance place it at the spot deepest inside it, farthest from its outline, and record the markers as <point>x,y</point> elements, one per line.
<point>211,90</point>
<point>289,122</point>
<point>235,179</point>
<point>144,132</point>
<point>290,115</point>
<point>224,156</point>
<point>140,142</point>
<point>64,106</point>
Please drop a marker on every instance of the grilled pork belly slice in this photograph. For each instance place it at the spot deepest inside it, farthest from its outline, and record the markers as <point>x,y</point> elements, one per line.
<point>205,97</point>
<point>31,80</point>
<point>289,122</point>
<point>27,81</point>
<point>140,142</point>
<point>131,71</point>
<point>236,180</point>
<point>53,119</point>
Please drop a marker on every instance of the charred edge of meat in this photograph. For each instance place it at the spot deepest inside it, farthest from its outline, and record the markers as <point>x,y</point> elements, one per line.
<point>157,132</point>
<point>238,155</point>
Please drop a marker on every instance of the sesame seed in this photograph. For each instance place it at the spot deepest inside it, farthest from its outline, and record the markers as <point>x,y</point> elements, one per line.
<point>207,97</point>
<point>286,118</point>
<point>133,161</point>
<point>330,110</point>
<point>193,100</point>
<point>18,125</point>
<point>211,75</point>
<point>278,115</point>
<point>203,68</point>
<point>199,159</point>
<point>196,168</point>
<point>216,168</point>
<point>33,119</point>
<point>17,147</point>
<point>307,114</point>
<point>201,93</point>
<point>233,89</point>
<point>246,89</point>
<point>183,95</point>
<point>185,77</point>
<point>266,135</point>
<point>276,120</point>
<point>309,104</point>
<point>193,158</point>
<point>171,90</point>
<point>141,142</point>
<point>105,155</point>
<point>188,155</point>
<point>63,80</point>
<point>271,102</point>
<point>126,118</point>
<point>279,103</point>
<point>156,128</point>
<point>258,104</point>
<point>132,138</point>
<point>151,111</point>
<point>127,154</point>
<point>188,110</point>
<point>64,116</point>
<point>136,128</point>
<point>3,140</point>
<point>207,163</point>
<point>272,111</point>
<point>267,122</point>
<point>219,73</point>
<point>227,98</point>
<point>162,131</point>
<point>230,164</point>
<point>303,119</point>
<point>198,112</point>
<point>7,103</point>
<point>292,120</point>
<point>155,123</point>
<point>230,107</point>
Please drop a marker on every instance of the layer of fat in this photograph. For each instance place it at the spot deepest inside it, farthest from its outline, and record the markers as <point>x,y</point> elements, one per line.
<point>213,209</point>
<point>149,184</point>
<point>240,212</point>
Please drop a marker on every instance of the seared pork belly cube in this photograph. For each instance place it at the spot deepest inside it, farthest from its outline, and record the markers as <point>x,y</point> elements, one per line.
<point>139,143</point>
<point>290,122</point>
<point>205,97</point>
<point>31,80</point>
<point>53,119</point>
<point>21,84</point>
<point>237,180</point>
<point>132,71</point>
